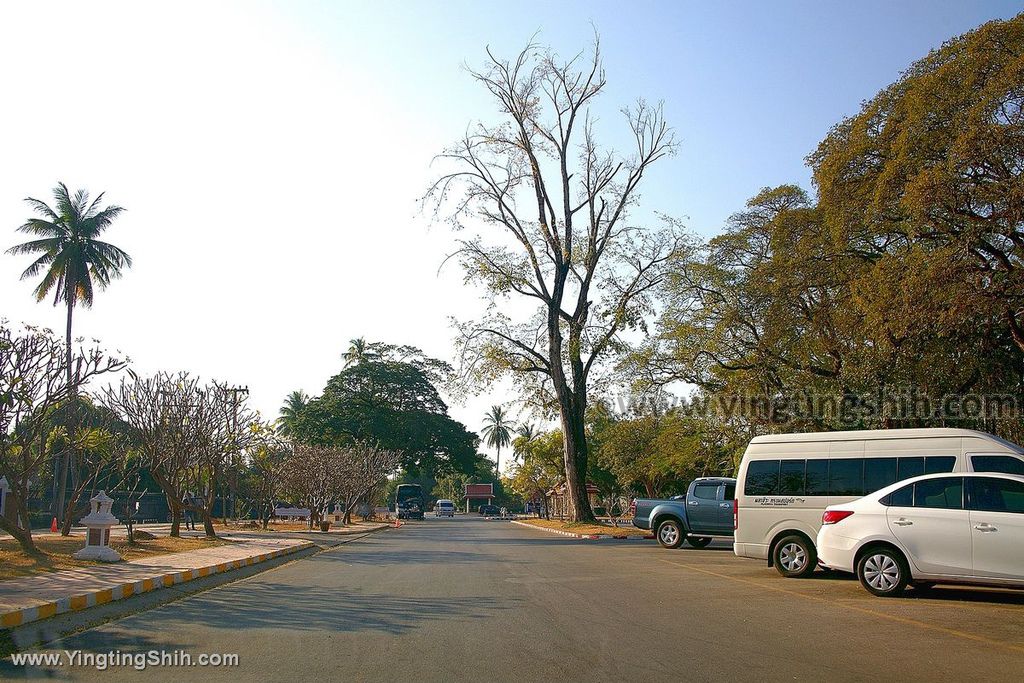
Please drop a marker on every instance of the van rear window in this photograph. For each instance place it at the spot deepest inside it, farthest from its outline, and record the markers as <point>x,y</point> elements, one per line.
<point>762,478</point>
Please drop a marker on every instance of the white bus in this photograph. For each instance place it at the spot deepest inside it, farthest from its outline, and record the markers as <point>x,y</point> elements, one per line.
<point>785,481</point>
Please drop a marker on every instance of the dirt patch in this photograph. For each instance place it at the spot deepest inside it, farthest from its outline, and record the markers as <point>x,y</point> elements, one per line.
<point>586,529</point>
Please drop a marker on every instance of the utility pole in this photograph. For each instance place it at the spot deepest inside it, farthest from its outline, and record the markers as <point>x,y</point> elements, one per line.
<point>235,392</point>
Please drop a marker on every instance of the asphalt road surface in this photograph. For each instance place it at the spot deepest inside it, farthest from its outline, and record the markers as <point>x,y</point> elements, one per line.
<point>469,599</point>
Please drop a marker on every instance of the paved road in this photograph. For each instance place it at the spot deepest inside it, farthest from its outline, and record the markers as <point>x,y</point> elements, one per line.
<point>464,598</point>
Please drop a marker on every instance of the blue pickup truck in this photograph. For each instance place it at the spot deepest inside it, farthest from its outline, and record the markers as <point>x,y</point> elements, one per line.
<point>704,512</point>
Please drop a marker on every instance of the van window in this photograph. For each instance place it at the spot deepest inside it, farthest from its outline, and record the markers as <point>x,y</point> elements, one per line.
<point>910,467</point>
<point>817,477</point>
<point>934,464</point>
<point>846,477</point>
<point>706,491</point>
<point>995,495</point>
<point>730,491</point>
<point>946,493</point>
<point>762,478</point>
<point>791,478</point>
<point>1005,464</point>
<point>879,473</point>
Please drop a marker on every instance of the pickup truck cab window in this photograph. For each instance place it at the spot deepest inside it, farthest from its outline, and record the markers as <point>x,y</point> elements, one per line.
<point>706,491</point>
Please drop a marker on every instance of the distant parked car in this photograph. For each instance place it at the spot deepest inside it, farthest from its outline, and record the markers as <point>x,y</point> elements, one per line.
<point>705,511</point>
<point>489,510</point>
<point>444,508</point>
<point>936,528</point>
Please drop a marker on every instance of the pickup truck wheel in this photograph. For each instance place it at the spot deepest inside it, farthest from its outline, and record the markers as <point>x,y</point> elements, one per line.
<point>794,557</point>
<point>671,534</point>
<point>699,541</point>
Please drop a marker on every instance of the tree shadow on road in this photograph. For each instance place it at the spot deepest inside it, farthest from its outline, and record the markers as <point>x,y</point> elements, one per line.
<point>301,608</point>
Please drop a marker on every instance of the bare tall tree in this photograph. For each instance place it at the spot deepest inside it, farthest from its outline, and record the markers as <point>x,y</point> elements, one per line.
<point>555,205</point>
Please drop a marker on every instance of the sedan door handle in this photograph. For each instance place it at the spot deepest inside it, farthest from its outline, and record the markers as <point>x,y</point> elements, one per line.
<point>985,527</point>
<point>693,502</point>
<point>903,522</point>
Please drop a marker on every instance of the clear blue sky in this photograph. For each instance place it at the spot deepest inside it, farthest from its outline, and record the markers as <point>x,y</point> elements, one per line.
<point>750,87</point>
<point>271,154</point>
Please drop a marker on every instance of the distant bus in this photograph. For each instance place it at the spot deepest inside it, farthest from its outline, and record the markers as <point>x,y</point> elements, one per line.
<point>409,501</point>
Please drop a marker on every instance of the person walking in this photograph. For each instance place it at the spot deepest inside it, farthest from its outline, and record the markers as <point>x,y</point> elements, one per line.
<point>190,524</point>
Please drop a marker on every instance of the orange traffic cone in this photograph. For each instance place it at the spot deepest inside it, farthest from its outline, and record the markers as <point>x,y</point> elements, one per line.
<point>398,522</point>
<point>53,526</point>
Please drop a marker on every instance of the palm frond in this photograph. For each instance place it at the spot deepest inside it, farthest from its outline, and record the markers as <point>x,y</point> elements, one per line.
<point>42,208</point>
<point>36,266</point>
<point>35,246</point>
<point>37,226</point>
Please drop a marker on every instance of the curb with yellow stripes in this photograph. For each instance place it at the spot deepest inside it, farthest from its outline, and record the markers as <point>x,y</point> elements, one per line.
<point>125,590</point>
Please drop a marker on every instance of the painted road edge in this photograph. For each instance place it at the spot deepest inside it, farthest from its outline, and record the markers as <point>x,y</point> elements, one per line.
<point>82,601</point>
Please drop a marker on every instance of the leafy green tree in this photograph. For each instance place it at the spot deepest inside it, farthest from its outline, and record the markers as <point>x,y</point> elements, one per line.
<point>497,431</point>
<point>925,184</point>
<point>658,453</point>
<point>541,467</point>
<point>395,405</point>
<point>293,405</point>
<point>451,486</point>
<point>904,280</point>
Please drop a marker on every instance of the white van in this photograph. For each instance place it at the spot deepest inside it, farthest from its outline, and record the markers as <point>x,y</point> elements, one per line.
<point>444,508</point>
<point>785,481</point>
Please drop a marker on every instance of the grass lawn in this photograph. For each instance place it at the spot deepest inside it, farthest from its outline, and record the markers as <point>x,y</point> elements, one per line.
<point>628,530</point>
<point>59,549</point>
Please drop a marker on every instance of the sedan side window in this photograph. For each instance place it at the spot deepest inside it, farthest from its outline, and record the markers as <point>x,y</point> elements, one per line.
<point>945,493</point>
<point>988,494</point>
<point>901,498</point>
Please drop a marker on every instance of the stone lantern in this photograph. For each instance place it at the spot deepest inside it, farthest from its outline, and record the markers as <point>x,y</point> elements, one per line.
<point>98,522</point>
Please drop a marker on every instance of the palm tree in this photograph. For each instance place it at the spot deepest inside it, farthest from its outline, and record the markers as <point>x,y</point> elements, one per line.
<point>526,433</point>
<point>75,261</point>
<point>70,252</point>
<point>497,431</point>
<point>293,404</point>
<point>359,350</point>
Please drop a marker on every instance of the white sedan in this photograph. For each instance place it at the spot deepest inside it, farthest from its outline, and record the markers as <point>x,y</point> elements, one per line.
<point>937,528</point>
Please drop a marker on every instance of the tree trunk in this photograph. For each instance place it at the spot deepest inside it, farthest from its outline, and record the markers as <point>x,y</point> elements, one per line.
<point>574,442</point>
<point>175,519</point>
<point>208,524</point>
<point>62,474</point>
<point>22,536</point>
<point>69,511</point>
